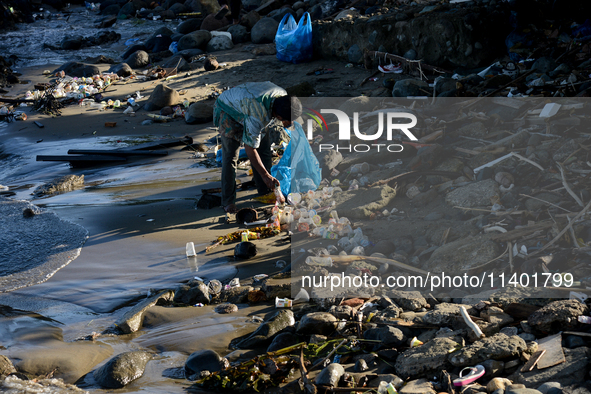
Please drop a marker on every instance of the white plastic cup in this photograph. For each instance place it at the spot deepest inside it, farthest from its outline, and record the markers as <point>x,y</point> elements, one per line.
<point>191,250</point>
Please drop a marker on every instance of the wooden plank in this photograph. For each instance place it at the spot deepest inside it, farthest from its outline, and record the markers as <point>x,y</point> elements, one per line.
<point>554,354</point>
<point>117,152</point>
<point>186,140</point>
<point>534,359</point>
<point>83,158</point>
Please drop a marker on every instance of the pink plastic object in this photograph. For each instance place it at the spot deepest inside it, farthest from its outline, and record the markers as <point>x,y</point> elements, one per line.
<point>475,373</point>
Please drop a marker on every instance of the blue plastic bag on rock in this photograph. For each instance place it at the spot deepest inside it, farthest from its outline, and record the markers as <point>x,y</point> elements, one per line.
<point>298,170</point>
<point>294,42</point>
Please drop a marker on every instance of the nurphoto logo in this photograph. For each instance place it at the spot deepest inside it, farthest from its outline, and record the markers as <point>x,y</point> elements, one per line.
<point>344,122</point>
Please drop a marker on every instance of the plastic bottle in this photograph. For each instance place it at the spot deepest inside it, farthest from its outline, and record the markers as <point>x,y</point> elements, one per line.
<point>279,195</point>
<point>319,261</point>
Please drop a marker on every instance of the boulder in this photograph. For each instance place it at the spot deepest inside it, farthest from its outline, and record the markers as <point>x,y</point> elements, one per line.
<point>122,369</point>
<point>408,300</point>
<point>138,59</point>
<point>199,112</point>
<point>113,9</point>
<point>127,10</point>
<point>132,320</point>
<point>497,347</point>
<point>250,19</point>
<point>239,34</point>
<point>426,359</point>
<point>159,43</point>
<point>132,49</point>
<point>462,254</point>
<point>476,194</point>
<point>263,32</point>
<point>211,24</point>
<point>197,39</point>
<point>161,97</point>
<point>355,54</point>
<point>189,26</point>
<point>121,69</point>
<point>411,87</point>
<point>558,316</point>
<point>71,43</point>
<point>75,69</point>
<point>389,336</point>
<point>264,333</point>
<point>283,340</point>
<point>193,292</point>
<point>322,323</point>
<point>219,43</point>
<point>178,8</point>
<point>204,360</point>
<point>330,375</point>
<point>6,367</point>
<point>177,61</point>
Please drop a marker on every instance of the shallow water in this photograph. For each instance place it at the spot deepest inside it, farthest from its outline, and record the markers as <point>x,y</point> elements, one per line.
<point>27,42</point>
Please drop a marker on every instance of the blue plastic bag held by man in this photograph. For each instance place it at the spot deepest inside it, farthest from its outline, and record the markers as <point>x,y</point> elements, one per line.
<point>298,170</point>
<point>294,42</point>
<point>242,115</point>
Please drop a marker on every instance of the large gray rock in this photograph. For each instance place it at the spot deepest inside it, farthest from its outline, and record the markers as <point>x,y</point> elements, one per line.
<point>445,314</point>
<point>197,39</point>
<point>419,386</point>
<point>263,334</point>
<point>283,340</point>
<point>128,9</point>
<point>235,295</point>
<point>138,59</point>
<point>408,300</point>
<point>199,112</point>
<point>317,323</point>
<point>219,43</point>
<point>355,54</point>
<point>210,23</point>
<point>6,366</point>
<point>477,194</point>
<point>62,184</point>
<point>189,26</point>
<point>178,8</point>
<point>263,32</point>
<point>192,293</point>
<point>161,97</point>
<point>204,360</point>
<point>389,336</point>
<point>330,375</point>
<point>122,369</point>
<point>497,347</point>
<point>132,320</point>
<point>426,359</point>
<point>557,316</point>
<point>460,255</point>
<point>239,33</point>
<point>177,61</point>
<point>572,371</point>
<point>121,69</point>
<point>410,87</point>
<point>75,69</point>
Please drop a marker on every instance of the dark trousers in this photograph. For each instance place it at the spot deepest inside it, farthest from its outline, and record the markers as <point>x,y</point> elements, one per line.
<point>235,6</point>
<point>230,152</point>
